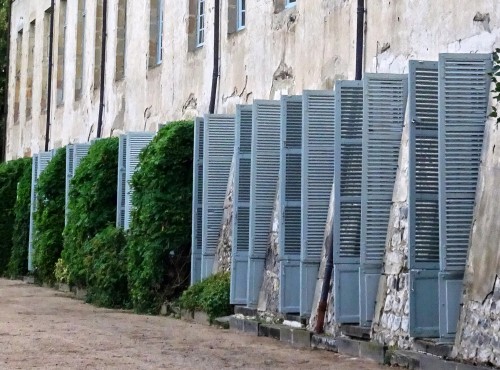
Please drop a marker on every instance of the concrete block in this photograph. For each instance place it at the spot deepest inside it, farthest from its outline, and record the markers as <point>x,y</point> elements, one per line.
<point>263,330</point>
<point>187,315</point>
<point>286,334</point>
<point>245,311</point>
<point>355,331</point>
<point>373,351</point>
<point>64,288</point>
<point>200,317</point>
<point>348,347</point>
<point>29,279</point>
<point>406,359</point>
<point>81,294</point>
<point>274,332</point>
<point>301,338</point>
<point>222,322</point>
<point>461,366</point>
<point>428,362</point>
<point>324,342</point>
<point>236,324</point>
<point>251,327</point>
<point>431,347</point>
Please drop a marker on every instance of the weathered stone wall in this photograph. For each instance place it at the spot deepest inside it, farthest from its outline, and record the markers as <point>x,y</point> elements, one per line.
<point>329,326</point>
<point>222,261</point>
<point>269,292</point>
<point>478,332</point>
<point>391,322</point>
<point>271,56</point>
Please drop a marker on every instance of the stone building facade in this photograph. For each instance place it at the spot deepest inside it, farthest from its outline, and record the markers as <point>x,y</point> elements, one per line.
<point>159,66</point>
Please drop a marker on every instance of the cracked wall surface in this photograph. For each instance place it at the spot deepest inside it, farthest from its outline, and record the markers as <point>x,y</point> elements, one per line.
<point>478,333</point>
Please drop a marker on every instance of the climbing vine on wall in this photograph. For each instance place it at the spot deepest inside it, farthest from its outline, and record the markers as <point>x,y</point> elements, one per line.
<point>92,207</point>
<point>495,76</point>
<point>10,174</point>
<point>160,235</point>
<point>18,263</point>
<point>49,217</point>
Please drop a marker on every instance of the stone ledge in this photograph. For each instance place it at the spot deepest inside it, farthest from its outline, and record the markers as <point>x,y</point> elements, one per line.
<point>422,361</point>
<point>29,279</point>
<point>355,331</point>
<point>245,311</point>
<point>324,342</point>
<point>432,347</point>
<point>222,322</point>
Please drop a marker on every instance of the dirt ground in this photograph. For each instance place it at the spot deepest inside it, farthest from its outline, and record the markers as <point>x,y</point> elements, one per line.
<point>42,328</point>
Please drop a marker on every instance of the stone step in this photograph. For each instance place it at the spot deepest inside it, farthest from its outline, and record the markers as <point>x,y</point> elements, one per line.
<point>245,311</point>
<point>433,347</point>
<point>356,331</point>
<point>222,322</point>
<point>303,320</point>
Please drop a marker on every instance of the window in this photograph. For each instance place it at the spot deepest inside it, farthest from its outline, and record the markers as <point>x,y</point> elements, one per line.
<point>19,55</point>
<point>200,23</point>
<point>80,48</point>
<point>29,82</point>
<point>61,46</point>
<point>120,40</point>
<point>98,44</point>
<point>290,3</point>
<point>241,9</point>
<point>156,10</point>
<point>45,59</point>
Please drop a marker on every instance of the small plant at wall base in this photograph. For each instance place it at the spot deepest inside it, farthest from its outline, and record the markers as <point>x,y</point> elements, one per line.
<point>18,263</point>
<point>49,218</point>
<point>210,295</point>
<point>92,208</point>
<point>495,76</point>
<point>160,235</point>
<point>10,174</point>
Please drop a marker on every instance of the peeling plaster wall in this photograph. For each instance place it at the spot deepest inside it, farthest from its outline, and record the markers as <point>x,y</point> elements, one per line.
<point>478,333</point>
<point>279,52</point>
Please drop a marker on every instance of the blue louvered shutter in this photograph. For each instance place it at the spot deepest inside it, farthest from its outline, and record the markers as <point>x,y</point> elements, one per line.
<point>122,170</point>
<point>347,199</point>
<point>317,177</point>
<point>74,154</point>
<point>384,107</point>
<point>423,199</point>
<point>34,177</point>
<point>70,149</point>
<point>241,204</point>
<point>136,142</point>
<point>40,162</point>
<point>463,102</point>
<point>197,209</point>
<point>263,181</point>
<point>217,157</point>
<point>290,188</point>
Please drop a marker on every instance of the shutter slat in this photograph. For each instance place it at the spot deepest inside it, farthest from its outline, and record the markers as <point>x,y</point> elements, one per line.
<point>317,169</point>
<point>348,170</point>
<point>463,102</point>
<point>423,197</point>
<point>384,111</point>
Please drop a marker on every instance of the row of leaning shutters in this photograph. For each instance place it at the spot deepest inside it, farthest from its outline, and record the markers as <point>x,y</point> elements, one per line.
<point>130,146</point>
<point>291,151</point>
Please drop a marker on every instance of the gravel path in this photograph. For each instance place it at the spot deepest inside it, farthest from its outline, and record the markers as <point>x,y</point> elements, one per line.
<point>42,328</point>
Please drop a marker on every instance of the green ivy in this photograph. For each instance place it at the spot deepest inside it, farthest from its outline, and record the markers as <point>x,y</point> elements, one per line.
<point>92,207</point>
<point>18,263</point>
<point>210,295</point>
<point>49,217</point>
<point>160,235</point>
<point>495,76</point>
<point>10,174</point>
<point>107,273</point>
